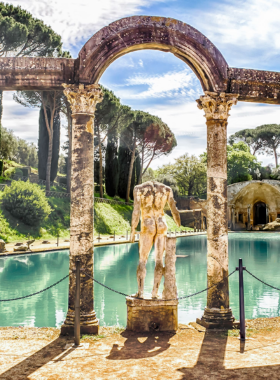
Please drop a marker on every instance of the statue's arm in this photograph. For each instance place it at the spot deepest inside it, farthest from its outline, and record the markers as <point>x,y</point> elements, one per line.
<point>135,215</point>
<point>173,208</point>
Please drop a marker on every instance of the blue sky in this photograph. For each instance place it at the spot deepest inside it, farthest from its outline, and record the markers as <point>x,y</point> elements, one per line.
<point>246,33</point>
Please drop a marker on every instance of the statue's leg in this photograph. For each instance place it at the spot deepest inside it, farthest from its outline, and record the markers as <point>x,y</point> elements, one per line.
<point>160,244</point>
<point>145,245</point>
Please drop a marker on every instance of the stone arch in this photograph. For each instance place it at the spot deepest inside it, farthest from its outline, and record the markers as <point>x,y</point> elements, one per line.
<point>157,33</point>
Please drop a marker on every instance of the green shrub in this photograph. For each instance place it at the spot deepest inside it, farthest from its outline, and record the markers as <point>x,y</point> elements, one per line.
<point>9,172</point>
<point>27,202</point>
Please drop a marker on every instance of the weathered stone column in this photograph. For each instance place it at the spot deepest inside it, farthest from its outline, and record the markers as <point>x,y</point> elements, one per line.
<point>216,107</point>
<point>83,100</point>
<point>233,218</point>
<point>248,217</point>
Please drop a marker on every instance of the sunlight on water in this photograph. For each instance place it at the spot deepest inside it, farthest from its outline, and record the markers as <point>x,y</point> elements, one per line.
<point>115,266</point>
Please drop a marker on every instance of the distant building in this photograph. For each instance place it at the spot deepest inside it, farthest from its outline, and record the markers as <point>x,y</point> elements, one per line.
<point>252,204</point>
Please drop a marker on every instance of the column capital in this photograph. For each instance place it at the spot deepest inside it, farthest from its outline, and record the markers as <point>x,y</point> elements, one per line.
<point>83,99</point>
<point>216,105</point>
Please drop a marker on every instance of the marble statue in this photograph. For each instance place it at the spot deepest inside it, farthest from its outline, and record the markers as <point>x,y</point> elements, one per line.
<point>150,199</point>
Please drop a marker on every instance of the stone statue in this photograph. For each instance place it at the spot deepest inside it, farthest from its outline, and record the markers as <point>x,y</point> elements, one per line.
<point>150,199</point>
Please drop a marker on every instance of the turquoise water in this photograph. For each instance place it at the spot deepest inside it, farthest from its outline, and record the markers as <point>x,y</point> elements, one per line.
<point>116,265</point>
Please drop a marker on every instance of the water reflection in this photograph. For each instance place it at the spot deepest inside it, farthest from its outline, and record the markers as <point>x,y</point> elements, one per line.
<point>25,274</point>
<point>116,266</point>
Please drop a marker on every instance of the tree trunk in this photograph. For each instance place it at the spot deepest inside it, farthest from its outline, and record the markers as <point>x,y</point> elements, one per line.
<point>276,158</point>
<point>141,170</point>
<point>49,164</point>
<point>130,173</point>
<point>100,166</point>
<point>69,158</point>
<point>49,125</point>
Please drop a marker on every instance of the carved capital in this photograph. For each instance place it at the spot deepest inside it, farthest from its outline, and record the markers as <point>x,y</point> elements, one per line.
<point>83,99</point>
<point>216,106</point>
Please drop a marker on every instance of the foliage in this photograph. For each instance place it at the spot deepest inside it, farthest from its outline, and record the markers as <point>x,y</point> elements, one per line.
<point>241,163</point>
<point>23,35</point>
<point>50,103</point>
<point>247,136</point>
<point>158,140</point>
<point>18,150</point>
<point>124,158</point>
<point>170,181</point>
<point>110,117</point>
<point>189,173</point>
<point>111,164</point>
<point>13,229</point>
<point>264,139</point>
<point>27,202</point>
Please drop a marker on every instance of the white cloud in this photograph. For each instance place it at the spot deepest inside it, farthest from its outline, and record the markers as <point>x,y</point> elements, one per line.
<point>188,124</point>
<point>79,20</point>
<point>241,29</point>
<point>170,84</point>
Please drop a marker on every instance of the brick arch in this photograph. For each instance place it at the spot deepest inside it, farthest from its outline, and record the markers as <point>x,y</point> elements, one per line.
<point>157,33</point>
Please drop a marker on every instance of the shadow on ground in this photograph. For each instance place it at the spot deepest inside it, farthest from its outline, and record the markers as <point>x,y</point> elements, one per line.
<point>140,345</point>
<point>210,364</point>
<point>26,367</point>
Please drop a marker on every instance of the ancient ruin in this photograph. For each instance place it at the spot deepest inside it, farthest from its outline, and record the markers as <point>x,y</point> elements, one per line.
<point>253,204</point>
<point>222,86</point>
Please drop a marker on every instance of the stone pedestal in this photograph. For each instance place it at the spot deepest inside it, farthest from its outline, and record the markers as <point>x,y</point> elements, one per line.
<point>151,315</point>
<point>89,324</point>
<point>216,318</point>
<point>2,246</point>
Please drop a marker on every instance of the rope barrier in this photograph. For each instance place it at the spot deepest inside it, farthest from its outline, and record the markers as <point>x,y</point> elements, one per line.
<point>40,291</point>
<point>172,299</point>
<point>127,295</point>
<point>271,286</point>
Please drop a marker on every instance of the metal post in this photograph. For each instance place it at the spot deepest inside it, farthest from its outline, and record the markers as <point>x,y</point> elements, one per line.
<point>57,239</point>
<point>77,305</point>
<point>241,301</point>
<point>126,234</point>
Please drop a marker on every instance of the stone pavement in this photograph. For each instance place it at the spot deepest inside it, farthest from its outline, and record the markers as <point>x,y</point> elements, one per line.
<point>32,353</point>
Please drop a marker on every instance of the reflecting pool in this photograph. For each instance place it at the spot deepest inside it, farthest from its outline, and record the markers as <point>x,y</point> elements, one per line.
<point>115,266</point>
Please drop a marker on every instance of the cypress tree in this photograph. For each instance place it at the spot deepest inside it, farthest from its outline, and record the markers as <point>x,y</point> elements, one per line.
<point>124,158</point>
<point>111,164</point>
<point>43,145</point>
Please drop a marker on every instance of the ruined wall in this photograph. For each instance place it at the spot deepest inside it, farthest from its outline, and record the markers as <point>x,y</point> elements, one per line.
<point>33,73</point>
<point>254,85</point>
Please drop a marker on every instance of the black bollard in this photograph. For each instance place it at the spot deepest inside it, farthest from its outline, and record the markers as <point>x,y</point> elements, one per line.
<point>241,302</point>
<point>77,305</point>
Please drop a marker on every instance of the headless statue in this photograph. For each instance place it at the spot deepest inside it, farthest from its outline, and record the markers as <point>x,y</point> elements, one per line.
<point>150,199</point>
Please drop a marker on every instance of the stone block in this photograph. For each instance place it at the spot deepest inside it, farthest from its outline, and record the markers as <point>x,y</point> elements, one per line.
<point>151,315</point>
<point>2,246</point>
